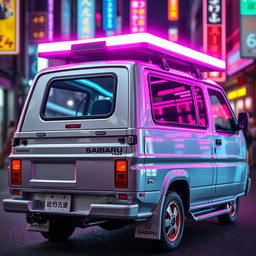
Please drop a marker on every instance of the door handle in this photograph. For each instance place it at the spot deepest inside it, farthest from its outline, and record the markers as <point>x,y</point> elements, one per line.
<point>218,142</point>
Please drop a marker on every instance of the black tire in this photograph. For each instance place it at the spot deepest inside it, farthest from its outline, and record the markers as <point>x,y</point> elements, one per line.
<point>172,221</point>
<point>59,231</point>
<point>231,217</point>
<point>112,225</point>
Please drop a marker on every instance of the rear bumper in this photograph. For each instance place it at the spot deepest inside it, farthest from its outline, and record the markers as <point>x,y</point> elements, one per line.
<point>106,211</point>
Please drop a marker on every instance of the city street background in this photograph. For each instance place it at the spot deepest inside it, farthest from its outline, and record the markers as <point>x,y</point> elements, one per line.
<point>222,28</point>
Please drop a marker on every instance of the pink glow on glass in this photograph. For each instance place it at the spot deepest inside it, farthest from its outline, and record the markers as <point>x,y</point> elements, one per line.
<point>179,89</point>
<point>160,44</point>
<point>221,111</point>
<point>158,82</point>
<point>164,92</point>
<point>184,95</point>
<point>173,102</point>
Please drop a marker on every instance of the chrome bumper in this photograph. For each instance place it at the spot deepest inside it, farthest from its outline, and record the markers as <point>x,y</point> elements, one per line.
<point>107,211</point>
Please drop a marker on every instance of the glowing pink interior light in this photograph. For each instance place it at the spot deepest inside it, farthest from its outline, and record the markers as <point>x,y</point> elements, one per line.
<point>167,47</point>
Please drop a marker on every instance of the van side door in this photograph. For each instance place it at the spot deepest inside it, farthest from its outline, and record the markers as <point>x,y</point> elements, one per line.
<point>228,147</point>
<point>177,135</point>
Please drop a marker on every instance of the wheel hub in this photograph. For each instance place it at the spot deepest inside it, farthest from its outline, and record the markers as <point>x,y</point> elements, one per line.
<point>172,221</point>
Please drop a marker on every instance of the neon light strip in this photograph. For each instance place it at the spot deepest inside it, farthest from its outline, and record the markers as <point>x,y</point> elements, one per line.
<point>95,87</point>
<point>168,47</point>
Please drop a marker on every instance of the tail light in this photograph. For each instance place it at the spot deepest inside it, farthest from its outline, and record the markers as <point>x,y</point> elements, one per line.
<point>16,172</point>
<point>121,174</point>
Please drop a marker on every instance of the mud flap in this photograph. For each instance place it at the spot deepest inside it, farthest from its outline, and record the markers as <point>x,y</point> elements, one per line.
<point>151,229</point>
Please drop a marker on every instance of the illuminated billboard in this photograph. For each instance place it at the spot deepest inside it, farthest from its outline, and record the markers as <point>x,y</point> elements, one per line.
<point>9,24</point>
<point>138,13</point>
<point>248,28</point>
<point>214,13</point>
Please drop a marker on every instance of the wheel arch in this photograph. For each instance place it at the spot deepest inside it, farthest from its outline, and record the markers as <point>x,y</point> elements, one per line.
<point>178,181</point>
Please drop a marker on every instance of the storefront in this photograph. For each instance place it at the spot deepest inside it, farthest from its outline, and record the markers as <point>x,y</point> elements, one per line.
<point>240,96</point>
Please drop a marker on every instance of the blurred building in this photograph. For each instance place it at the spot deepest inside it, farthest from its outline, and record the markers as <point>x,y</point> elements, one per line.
<point>241,72</point>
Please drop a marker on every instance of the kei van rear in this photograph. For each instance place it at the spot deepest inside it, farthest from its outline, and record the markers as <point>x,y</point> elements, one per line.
<point>127,132</point>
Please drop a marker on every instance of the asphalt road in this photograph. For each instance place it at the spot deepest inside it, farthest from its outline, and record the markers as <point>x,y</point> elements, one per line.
<point>200,238</point>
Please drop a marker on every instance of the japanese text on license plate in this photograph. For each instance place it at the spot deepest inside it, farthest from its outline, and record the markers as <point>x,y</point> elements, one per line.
<point>57,203</point>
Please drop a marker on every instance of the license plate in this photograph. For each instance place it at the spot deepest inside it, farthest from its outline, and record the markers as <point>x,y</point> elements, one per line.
<point>57,203</point>
<point>42,227</point>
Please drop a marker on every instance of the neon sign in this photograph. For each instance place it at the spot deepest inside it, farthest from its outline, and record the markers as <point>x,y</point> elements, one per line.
<point>215,33</point>
<point>241,92</point>
<point>109,14</point>
<point>173,9</point>
<point>138,20</point>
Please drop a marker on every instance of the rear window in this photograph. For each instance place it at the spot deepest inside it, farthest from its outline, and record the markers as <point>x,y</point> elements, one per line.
<point>83,97</point>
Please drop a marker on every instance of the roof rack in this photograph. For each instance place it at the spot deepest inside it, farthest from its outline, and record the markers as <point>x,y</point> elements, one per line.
<point>140,46</point>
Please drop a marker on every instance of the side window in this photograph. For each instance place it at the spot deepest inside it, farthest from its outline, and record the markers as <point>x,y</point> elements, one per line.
<point>203,122</point>
<point>222,116</point>
<point>172,102</point>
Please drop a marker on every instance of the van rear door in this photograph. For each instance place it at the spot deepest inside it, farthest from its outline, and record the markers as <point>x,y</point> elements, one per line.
<point>74,128</point>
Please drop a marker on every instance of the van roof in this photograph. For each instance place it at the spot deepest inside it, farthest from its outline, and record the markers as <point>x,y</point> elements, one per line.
<point>141,46</point>
<point>114,63</point>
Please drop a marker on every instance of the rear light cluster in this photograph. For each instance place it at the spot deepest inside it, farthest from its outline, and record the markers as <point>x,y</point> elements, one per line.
<point>121,174</point>
<point>16,172</point>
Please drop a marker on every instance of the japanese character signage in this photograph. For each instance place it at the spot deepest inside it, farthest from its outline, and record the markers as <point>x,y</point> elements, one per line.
<point>248,28</point>
<point>215,33</point>
<point>173,9</point>
<point>138,19</point>
<point>9,27</point>
<point>214,15</point>
<point>85,19</point>
<point>109,14</point>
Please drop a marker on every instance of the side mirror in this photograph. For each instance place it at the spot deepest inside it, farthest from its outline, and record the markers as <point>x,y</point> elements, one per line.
<point>243,121</point>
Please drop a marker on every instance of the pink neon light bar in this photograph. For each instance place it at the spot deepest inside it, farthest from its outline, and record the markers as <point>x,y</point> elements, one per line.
<point>168,47</point>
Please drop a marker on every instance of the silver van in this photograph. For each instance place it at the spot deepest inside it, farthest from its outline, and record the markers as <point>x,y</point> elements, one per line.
<point>127,131</point>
